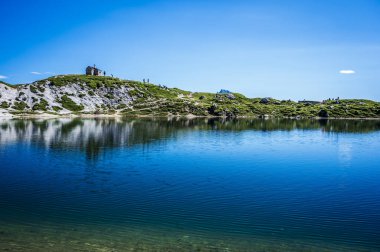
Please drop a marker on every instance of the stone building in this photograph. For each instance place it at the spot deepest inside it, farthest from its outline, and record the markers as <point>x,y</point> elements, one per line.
<point>94,71</point>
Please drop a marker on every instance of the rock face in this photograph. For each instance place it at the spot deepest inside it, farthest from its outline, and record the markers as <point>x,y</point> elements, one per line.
<point>75,96</point>
<point>7,94</point>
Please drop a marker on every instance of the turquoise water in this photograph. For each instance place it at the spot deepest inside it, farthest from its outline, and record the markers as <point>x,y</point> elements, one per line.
<point>189,185</point>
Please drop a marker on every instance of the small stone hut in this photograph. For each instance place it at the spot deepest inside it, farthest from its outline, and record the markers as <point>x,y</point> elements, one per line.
<point>94,71</point>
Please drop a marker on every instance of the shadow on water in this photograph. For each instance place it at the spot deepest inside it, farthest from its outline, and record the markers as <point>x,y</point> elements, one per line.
<point>91,136</point>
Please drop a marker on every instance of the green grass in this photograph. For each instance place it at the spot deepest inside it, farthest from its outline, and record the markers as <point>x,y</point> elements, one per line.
<point>8,85</point>
<point>93,82</point>
<point>220,105</point>
<point>11,85</point>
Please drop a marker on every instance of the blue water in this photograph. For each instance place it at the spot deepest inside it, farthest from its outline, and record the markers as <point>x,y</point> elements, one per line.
<point>301,185</point>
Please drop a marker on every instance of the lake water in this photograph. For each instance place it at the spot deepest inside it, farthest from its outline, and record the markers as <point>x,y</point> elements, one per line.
<point>189,185</point>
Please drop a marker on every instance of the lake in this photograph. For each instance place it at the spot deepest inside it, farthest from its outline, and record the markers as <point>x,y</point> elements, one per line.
<point>189,185</point>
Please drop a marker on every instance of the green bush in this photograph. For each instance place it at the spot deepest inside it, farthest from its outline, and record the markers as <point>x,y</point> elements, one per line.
<point>20,105</point>
<point>42,105</point>
<point>69,104</point>
<point>33,89</point>
<point>41,89</point>
<point>121,106</point>
<point>56,108</point>
<point>4,105</point>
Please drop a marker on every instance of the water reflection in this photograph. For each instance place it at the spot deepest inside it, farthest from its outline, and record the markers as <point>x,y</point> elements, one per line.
<point>312,186</point>
<point>92,135</point>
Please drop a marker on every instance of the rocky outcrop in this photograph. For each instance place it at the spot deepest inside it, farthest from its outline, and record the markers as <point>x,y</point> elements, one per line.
<point>73,97</point>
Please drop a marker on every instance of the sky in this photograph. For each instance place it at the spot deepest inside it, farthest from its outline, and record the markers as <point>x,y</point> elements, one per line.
<point>285,49</point>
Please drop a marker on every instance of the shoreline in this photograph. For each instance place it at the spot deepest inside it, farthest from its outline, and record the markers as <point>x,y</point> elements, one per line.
<point>188,116</point>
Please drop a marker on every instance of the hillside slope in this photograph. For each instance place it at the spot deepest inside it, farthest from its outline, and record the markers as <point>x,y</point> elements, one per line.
<point>79,94</point>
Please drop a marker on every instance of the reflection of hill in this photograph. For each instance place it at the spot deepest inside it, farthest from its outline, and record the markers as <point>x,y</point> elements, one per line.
<point>93,135</point>
<point>343,126</point>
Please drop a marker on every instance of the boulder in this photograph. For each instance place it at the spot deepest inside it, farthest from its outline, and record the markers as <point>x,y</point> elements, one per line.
<point>231,97</point>
<point>323,113</point>
<point>264,101</point>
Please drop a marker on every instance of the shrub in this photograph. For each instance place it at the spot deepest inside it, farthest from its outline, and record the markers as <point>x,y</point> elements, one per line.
<point>121,106</point>
<point>69,104</point>
<point>4,105</point>
<point>41,89</point>
<point>41,106</point>
<point>56,108</point>
<point>20,105</point>
<point>33,89</point>
<point>110,96</point>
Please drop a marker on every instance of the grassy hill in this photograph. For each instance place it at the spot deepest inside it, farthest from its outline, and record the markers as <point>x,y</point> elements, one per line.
<point>97,94</point>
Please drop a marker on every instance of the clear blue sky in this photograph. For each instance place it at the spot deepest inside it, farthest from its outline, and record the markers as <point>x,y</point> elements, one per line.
<point>284,49</point>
